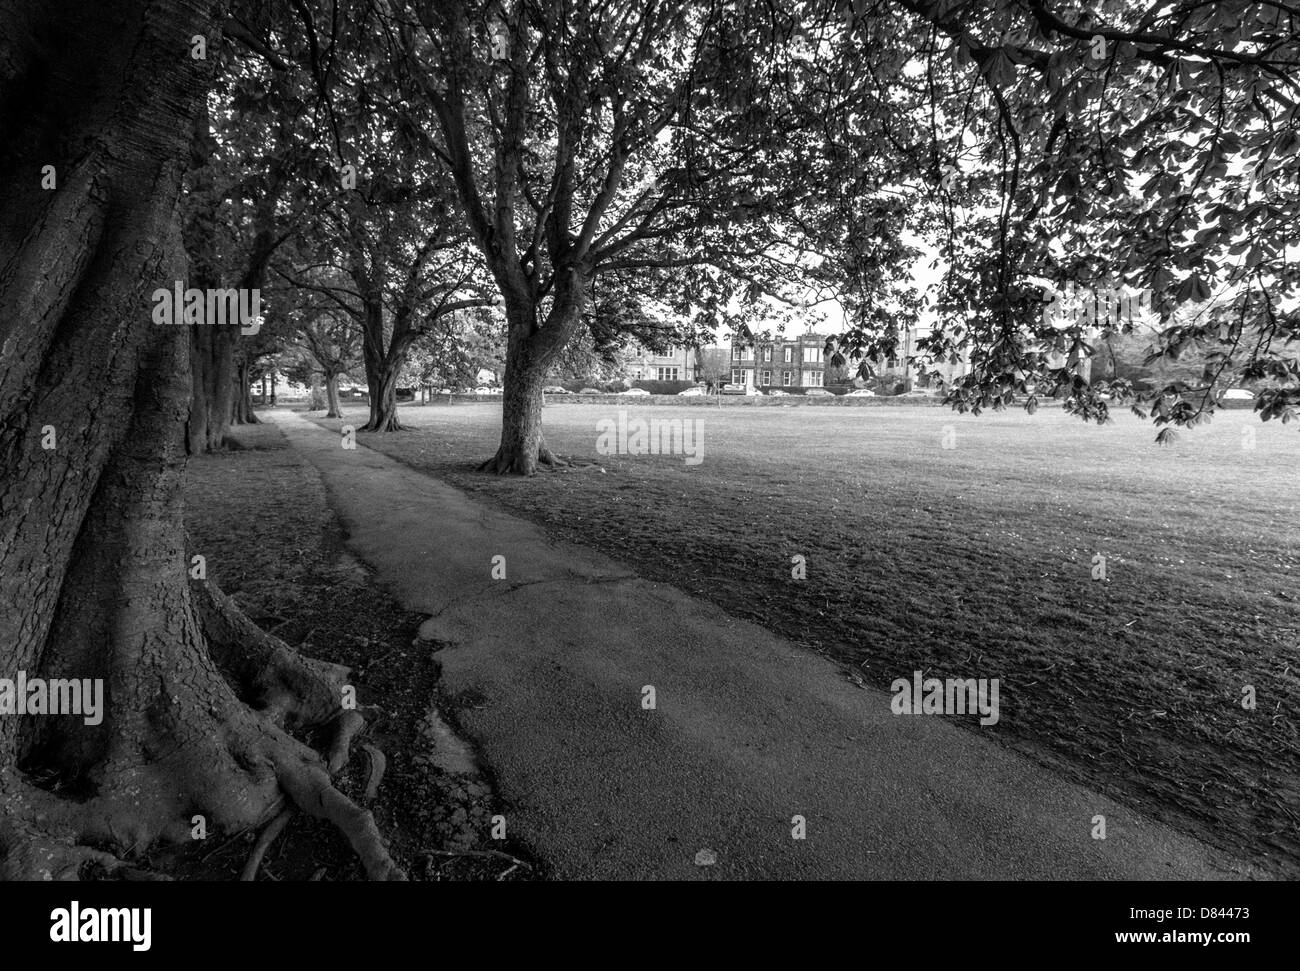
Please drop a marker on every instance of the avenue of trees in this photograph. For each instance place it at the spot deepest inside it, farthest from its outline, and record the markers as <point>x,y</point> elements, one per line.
<point>411,185</point>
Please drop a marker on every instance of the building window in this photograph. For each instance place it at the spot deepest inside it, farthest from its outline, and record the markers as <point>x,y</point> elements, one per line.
<point>668,374</point>
<point>812,355</point>
<point>767,378</point>
<point>813,379</point>
<point>735,375</point>
<point>735,353</point>
<point>785,378</point>
<point>767,352</point>
<point>640,351</point>
<point>789,354</point>
<point>636,374</point>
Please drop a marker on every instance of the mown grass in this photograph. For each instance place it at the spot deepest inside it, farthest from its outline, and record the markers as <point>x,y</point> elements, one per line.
<point>977,561</point>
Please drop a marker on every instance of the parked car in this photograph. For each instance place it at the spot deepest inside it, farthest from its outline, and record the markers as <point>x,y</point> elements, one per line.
<point>820,392</point>
<point>917,393</point>
<point>739,389</point>
<point>861,393</point>
<point>482,391</point>
<point>691,393</point>
<point>1238,394</point>
<point>554,389</point>
<point>778,393</point>
<point>591,391</point>
<point>637,391</point>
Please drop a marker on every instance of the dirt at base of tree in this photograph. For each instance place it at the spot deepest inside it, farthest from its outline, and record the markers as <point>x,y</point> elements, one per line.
<point>259,516</point>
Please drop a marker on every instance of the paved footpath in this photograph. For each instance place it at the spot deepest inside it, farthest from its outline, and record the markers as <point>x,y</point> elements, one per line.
<point>748,730</point>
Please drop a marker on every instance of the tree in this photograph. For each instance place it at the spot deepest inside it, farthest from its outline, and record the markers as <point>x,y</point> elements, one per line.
<point>386,249</point>
<point>201,705</point>
<point>330,345</point>
<point>1114,146</point>
<point>452,356</point>
<point>625,145</point>
<point>399,273</point>
<point>713,366</point>
<point>245,197</point>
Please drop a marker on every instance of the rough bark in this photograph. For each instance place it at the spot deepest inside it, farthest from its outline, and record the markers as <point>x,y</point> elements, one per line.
<point>522,447</point>
<point>529,352</point>
<point>199,704</point>
<point>382,385</point>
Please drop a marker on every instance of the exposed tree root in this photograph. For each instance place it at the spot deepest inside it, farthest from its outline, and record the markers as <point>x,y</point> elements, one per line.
<point>374,774</point>
<point>348,726</point>
<point>267,674</point>
<point>390,424</point>
<point>214,745</point>
<point>269,835</point>
<point>506,462</point>
<point>37,843</point>
<point>548,459</point>
<point>46,837</point>
<point>311,790</point>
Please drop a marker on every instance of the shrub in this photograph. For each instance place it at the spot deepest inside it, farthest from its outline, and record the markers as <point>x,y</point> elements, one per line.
<point>609,387</point>
<point>663,387</point>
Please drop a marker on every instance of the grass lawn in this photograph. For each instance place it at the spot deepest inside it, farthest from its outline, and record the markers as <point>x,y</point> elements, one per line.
<point>976,561</point>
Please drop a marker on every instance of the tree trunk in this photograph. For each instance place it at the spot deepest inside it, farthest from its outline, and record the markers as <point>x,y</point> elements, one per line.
<point>522,446</point>
<point>381,382</point>
<point>316,397</point>
<point>243,413</point>
<point>529,353</point>
<point>212,349</point>
<point>521,423</point>
<point>383,371</point>
<point>382,367</point>
<point>332,396</point>
<point>93,567</point>
<point>212,356</point>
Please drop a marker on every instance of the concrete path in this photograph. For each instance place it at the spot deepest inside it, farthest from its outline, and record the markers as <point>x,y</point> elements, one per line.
<point>548,668</point>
